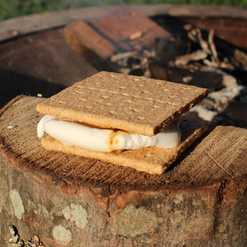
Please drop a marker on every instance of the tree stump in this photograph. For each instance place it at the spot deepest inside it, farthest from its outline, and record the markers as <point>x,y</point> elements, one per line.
<point>74,201</point>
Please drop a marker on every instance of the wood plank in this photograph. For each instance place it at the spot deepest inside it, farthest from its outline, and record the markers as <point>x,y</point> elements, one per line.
<point>121,30</point>
<point>80,36</point>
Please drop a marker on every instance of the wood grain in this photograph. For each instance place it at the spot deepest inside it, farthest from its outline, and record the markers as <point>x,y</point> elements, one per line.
<point>221,155</point>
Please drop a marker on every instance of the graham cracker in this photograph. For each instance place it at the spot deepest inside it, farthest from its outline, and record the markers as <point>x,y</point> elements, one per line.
<point>117,101</point>
<point>152,160</point>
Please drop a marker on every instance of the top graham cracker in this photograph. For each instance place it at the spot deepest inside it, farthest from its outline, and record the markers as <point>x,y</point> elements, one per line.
<point>118,101</point>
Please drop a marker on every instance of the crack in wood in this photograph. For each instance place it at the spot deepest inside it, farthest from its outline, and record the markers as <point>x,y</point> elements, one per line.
<point>218,164</point>
<point>218,204</point>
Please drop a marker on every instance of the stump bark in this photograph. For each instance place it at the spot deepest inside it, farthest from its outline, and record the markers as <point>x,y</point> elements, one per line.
<point>73,201</point>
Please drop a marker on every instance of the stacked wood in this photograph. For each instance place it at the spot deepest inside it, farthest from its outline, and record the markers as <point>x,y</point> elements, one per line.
<point>122,38</point>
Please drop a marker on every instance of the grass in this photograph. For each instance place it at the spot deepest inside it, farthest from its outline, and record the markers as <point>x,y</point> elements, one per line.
<point>13,8</point>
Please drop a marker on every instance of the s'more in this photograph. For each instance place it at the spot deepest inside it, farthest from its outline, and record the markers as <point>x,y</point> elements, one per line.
<point>119,119</point>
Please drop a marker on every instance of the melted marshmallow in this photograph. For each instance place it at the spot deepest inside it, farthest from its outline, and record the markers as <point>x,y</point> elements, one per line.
<point>104,140</point>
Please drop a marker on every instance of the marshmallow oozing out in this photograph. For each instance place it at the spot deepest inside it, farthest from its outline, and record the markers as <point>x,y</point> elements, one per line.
<point>103,140</point>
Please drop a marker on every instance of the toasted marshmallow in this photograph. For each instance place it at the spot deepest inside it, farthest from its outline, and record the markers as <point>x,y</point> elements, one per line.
<point>103,140</point>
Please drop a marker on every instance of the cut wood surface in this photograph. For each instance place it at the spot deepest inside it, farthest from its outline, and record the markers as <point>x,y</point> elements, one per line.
<point>221,155</point>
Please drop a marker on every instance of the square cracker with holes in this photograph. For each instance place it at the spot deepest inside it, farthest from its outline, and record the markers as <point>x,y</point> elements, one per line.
<point>129,103</point>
